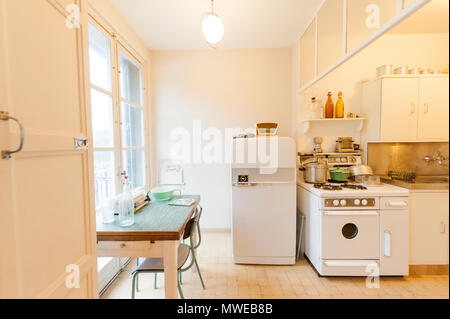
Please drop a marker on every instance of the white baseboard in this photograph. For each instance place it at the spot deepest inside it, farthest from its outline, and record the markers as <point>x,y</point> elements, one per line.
<point>216,230</point>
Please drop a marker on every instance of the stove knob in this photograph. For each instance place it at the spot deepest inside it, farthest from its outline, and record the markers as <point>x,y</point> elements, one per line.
<point>336,202</point>
<point>343,202</point>
<point>364,202</point>
<point>357,202</point>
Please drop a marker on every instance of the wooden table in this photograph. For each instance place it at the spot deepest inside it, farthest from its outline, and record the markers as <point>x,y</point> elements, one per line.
<point>156,232</point>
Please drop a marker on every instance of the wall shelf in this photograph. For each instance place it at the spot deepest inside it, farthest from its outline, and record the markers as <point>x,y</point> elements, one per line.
<point>359,121</point>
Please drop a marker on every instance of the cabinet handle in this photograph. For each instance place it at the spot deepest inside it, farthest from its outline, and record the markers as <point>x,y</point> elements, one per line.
<point>4,116</point>
<point>413,108</point>
<point>442,228</point>
<point>396,204</point>
<point>426,108</point>
<point>387,243</point>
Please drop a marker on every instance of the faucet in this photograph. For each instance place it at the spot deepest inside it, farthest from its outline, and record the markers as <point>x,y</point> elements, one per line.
<point>437,157</point>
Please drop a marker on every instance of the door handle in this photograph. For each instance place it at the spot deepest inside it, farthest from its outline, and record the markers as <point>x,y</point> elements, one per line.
<point>413,108</point>
<point>4,116</point>
<point>396,204</point>
<point>244,184</point>
<point>345,263</point>
<point>387,243</point>
<point>426,108</point>
<point>352,213</point>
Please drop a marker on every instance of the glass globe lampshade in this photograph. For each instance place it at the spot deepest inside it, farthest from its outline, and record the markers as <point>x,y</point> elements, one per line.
<point>213,29</point>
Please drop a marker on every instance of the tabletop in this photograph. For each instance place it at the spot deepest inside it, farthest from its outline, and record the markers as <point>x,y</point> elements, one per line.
<point>157,221</point>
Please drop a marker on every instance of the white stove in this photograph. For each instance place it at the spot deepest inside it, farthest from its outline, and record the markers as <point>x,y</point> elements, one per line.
<point>355,230</point>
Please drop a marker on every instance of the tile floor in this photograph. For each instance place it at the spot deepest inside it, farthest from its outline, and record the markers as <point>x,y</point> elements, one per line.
<point>226,280</point>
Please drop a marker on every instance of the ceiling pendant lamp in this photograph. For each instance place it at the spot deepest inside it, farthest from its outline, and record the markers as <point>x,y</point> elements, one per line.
<point>212,27</point>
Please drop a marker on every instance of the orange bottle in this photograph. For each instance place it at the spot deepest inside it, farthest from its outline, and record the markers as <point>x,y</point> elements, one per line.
<point>329,107</point>
<point>339,113</point>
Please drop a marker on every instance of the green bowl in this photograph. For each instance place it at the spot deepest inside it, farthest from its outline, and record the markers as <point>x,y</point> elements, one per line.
<point>162,192</point>
<point>339,175</point>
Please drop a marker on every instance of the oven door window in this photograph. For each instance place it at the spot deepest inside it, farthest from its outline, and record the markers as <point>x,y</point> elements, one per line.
<point>350,231</point>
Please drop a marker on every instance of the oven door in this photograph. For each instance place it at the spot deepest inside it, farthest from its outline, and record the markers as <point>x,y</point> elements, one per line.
<point>350,235</point>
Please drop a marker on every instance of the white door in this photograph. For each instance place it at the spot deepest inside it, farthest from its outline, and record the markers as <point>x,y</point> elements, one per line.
<point>264,221</point>
<point>394,238</point>
<point>47,203</point>
<point>399,109</point>
<point>433,108</point>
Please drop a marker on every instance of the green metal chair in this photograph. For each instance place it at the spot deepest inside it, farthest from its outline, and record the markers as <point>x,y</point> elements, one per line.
<point>156,265</point>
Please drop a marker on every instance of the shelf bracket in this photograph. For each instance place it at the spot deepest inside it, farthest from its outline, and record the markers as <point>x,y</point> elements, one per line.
<point>306,126</point>
<point>359,125</point>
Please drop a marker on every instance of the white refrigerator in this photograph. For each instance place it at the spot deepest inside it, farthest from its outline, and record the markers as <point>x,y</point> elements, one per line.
<point>264,201</point>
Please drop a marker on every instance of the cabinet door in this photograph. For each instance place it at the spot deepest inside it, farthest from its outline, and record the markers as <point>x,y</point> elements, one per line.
<point>399,109</point>
<point>330,20</point>
<point>365,17</point>
<point>433,108</point>
<point>47,222</point>
<point>308,55</point>
<point>429,233</point>
<point>394,235</point>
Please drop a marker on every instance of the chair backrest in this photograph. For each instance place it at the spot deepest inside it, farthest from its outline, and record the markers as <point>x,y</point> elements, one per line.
<point>191,225</point>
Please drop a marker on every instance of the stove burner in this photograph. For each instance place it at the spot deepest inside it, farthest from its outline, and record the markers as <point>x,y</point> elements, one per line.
<point>353,186</point>
<point>328,187</point>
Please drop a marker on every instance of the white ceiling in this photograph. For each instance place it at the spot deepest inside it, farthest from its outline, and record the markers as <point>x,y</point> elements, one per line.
<point>176,24</point>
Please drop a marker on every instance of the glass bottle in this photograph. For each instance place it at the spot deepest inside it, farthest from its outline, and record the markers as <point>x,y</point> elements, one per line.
<point>126,205</point>
<point>339,107</point>
<point>329,107</point>
<point>315,112</point>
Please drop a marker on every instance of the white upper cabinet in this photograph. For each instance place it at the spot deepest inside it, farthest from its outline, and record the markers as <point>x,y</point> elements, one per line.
<point>342,28</point>
<point>433,109</point>
<point>330,44</point>
<point>399,109</point>
<point>365,17</point>
<point>406,109</point>
<point>308,54</point>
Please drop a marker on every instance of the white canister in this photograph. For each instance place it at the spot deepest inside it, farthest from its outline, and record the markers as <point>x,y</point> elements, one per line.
<point>315,109</point>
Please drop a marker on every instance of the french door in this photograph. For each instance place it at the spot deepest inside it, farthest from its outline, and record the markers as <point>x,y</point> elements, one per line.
<point>118,125</point>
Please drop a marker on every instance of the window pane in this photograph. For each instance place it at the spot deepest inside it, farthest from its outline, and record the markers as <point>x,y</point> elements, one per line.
<point>132,126</point>
<point>102,119</point>
<point>130,80</point>
<point>103,176</point>
<point>134,165</point>
<point>99,58</point>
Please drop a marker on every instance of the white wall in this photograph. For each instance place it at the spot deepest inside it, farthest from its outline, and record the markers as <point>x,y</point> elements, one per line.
<point>223,89</point>
<point>413,50</point>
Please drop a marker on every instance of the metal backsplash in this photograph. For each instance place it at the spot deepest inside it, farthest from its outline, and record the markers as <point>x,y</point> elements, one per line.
<point>383,157</point>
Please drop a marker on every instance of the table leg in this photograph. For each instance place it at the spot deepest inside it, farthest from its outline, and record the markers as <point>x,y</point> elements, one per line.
<point>170,268</point>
